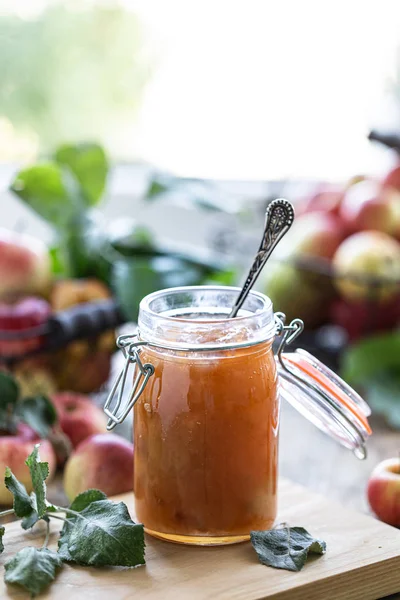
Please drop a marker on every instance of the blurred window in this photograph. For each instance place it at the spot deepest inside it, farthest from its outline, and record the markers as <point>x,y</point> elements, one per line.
<point>216,88</point>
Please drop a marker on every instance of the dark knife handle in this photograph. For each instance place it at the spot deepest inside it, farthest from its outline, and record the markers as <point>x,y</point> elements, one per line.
<point>82,321</point>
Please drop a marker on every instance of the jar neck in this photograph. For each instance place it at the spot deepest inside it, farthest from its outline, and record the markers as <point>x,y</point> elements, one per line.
<point>195,318</point>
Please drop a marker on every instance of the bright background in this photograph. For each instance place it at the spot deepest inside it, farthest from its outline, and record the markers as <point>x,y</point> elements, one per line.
<point>253,89</point>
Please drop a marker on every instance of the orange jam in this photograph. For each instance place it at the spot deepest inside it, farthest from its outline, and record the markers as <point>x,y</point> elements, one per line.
<point>206,443</point>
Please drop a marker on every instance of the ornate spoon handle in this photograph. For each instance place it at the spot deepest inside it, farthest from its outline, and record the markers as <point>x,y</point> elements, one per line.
<point>278,220</point>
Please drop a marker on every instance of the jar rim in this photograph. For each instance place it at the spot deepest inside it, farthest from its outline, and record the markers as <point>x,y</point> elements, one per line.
<point>154,310</point>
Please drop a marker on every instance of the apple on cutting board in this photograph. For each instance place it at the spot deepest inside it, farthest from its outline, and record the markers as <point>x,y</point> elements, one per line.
<point>383,491</point>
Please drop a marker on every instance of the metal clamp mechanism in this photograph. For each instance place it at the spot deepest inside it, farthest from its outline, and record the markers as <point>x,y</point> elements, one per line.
<point>290,333</point>
<point>142,373</point>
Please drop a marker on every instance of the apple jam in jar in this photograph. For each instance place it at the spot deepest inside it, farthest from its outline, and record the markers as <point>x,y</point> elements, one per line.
<point>206,411</point>
<point>206,424</point>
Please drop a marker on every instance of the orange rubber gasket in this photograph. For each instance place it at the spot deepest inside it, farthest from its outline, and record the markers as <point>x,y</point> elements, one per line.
<point>330,387</point>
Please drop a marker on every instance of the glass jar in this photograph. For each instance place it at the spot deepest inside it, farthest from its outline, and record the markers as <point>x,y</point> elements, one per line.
<point>206,400</point>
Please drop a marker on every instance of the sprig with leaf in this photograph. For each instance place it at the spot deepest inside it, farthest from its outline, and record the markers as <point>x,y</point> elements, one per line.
<point>95,531</point>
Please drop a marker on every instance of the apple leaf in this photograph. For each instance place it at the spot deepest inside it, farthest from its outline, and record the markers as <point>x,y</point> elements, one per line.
<point>79,503</point>
<point>32,568</point>
<point>89,165</point>
<point>2,531</point>
<point>102,534</point>
<point>39,472</point>
<point>286,547</point>
<point>85,498</point>
<point>22,504</point>
<point>39,413</point>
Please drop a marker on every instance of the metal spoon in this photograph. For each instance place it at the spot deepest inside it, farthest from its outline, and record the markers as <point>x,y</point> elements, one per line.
<point>278,220</point>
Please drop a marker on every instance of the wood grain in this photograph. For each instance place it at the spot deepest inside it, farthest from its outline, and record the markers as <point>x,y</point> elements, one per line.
<point>362,562</point>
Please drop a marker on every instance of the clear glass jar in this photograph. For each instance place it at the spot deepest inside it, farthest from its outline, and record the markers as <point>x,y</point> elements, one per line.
<point>206,424</point>
<point>206,397</point>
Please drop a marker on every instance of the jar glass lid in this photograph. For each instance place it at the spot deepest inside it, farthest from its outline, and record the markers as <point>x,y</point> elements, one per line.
<point>324,399</point>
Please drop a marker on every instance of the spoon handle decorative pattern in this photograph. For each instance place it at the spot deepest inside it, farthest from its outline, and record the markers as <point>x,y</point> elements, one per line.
<point>278,220</point>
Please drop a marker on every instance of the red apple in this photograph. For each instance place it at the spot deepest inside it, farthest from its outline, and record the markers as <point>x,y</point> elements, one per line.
<point>367,206</point>
<point>383,491</point>
<point>315,234</point>
<point>367,267</point>
<point>326,199</point>
<point>24,265</point>
<point>360,318</point>
<point>16,318</point>
<point>103,461</point>
<point>314,237</point>
<point>14,450</point>
<point>392,179</point>
<point>78,417</point>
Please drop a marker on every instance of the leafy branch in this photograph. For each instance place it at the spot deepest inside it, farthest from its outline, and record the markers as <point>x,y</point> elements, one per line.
<point>96,531</point>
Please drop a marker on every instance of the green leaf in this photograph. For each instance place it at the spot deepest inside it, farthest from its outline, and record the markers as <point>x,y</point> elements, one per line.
<point>9,390</point>
<point>83,247</point>
<point>134,278</point>
<point>103,535</point>
<point>285,548</point>
<point>39,413</point>
<point>58,266</point>
<point>31,520</point>
<point>139,240</point>
<point>156,188</point>
<point>83,500</point>
<point>371,355</point>
<point>89,165</point>
<point>382,392</point>
<point>225,277</point>
<point>39,472</point>
<point>2,532</point>
<point>32,568</point>
<point>43,188</point>
<point>9,394</point>
<point>22,503</point>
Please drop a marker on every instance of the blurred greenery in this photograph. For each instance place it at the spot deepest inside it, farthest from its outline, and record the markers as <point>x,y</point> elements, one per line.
<point>134,263</point>
<point>372,365</point>
<point>75,71</point>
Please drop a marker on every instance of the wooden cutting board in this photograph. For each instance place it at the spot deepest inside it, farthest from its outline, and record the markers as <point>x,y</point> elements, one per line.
<point>362,562</point>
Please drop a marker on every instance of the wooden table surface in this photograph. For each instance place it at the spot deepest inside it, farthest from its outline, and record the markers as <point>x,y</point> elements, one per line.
<point>309,457</point>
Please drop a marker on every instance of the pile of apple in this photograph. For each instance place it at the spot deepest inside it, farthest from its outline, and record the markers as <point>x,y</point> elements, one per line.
<point>340,262</point>
<point>96,459</point>
<point>28,296</point>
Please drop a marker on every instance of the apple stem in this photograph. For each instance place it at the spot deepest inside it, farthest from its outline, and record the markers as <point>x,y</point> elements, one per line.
<point>4,513</point>
<point>46,539</point>
<point>69,511</point>
<point>53,516</point>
